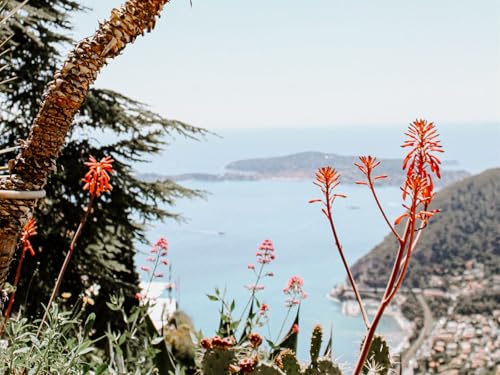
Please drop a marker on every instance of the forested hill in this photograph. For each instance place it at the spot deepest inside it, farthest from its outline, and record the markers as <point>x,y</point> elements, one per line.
<point>467,228</point>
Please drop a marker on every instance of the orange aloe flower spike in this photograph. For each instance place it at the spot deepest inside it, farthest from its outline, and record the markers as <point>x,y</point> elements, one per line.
<point>29,231</point>
<point>97,178</point>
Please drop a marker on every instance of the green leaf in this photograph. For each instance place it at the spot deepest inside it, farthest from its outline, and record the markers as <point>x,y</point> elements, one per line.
<point>212,297</point>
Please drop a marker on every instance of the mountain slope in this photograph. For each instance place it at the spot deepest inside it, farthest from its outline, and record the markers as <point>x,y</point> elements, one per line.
<point>467,228</point>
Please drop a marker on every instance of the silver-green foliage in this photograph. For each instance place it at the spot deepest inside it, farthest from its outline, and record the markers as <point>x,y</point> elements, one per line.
<point>63,346</point>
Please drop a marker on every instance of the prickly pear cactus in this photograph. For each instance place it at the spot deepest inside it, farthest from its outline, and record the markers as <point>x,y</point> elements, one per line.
<point>267,369</point>
<point>316,340</point>
<point>217,361</point>
<point>324,366</point>
<point>289,362</point>
<point>379,358</point>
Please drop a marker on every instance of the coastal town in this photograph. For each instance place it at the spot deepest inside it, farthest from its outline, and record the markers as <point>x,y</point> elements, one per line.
<point>450,340</point>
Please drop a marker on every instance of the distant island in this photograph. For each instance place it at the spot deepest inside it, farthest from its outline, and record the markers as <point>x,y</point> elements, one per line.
<point>303,166</point>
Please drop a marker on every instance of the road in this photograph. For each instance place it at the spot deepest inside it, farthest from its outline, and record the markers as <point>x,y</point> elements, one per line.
<point>424,332</point>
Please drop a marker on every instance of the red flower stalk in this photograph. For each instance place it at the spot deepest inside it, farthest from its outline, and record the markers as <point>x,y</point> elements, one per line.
<point>159,253</point>
<point>328,179</point>
<point>265,255</point>
<point>96,182</point>
<point>420,164</point>
<point>29,230</point>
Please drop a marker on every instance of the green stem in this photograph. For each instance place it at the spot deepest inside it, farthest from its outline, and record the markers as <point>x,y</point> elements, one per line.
<point>283,324</point>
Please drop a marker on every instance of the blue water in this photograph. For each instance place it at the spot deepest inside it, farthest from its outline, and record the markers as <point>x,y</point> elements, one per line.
<point>475,146</point>
<point>249,212</point>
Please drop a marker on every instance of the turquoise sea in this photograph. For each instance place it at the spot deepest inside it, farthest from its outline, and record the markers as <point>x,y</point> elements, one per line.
<point>223,231</point>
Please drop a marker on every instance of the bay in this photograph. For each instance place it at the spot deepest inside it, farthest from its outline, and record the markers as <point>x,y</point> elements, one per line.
<point>223,231</point>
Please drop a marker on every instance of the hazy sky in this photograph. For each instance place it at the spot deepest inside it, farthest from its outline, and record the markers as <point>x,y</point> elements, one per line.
<point>288,63</point>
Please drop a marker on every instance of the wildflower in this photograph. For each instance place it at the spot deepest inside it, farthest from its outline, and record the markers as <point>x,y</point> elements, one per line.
<point>270,274</point>
<point>266,252</point>
<point>255,339</point>
<point>138,296</point>
<point>246,365</point>
<point>164,262</point>
<point>158,274</point>
<point>295,328</point>
<point>97,178</point>
<point>295,283</point>
<point>162,244</point>
<point>150,259</point>
<point>251,266</point>
<point>145,269</point>
<point>263,309</point>
<point>295,291</point>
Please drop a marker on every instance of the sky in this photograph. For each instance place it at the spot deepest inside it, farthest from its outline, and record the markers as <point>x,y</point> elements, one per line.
<point>289,63</point>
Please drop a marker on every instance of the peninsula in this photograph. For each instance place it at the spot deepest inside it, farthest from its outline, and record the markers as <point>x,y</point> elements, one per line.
<point>303,166</point>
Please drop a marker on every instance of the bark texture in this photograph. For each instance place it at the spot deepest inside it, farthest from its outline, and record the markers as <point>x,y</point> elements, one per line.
<point>63,98</point>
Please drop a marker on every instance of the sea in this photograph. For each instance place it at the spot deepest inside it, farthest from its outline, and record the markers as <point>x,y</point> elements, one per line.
<point>221,232</point>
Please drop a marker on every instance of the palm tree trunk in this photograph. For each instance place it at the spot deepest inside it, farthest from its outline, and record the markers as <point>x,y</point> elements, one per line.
<point>64,97</point>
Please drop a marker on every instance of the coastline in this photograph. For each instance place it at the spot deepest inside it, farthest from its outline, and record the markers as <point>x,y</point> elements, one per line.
<point>349,307</point>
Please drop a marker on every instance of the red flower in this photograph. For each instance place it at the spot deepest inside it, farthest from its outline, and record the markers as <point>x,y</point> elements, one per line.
<point>222,343</point>
<point>295,328</point>
<point>295,291</point>
<point>29,230</point>
<point>246,365</point>
<point>255,339</point>
<point>295,282</point>
<point>423,142</point>
<point>206,343</point>
<point>266,252</point>
<point>138,296</point>
<point>97,178</point>
<point>162,244</point>
<point>368,164</point>
<point>263,309</point>
<point>327,179</point>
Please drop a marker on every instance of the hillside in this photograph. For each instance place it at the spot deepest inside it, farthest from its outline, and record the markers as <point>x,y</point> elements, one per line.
<point>468,228</point>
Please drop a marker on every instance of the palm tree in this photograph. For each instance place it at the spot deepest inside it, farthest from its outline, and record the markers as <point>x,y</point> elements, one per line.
<point>64,96</point>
